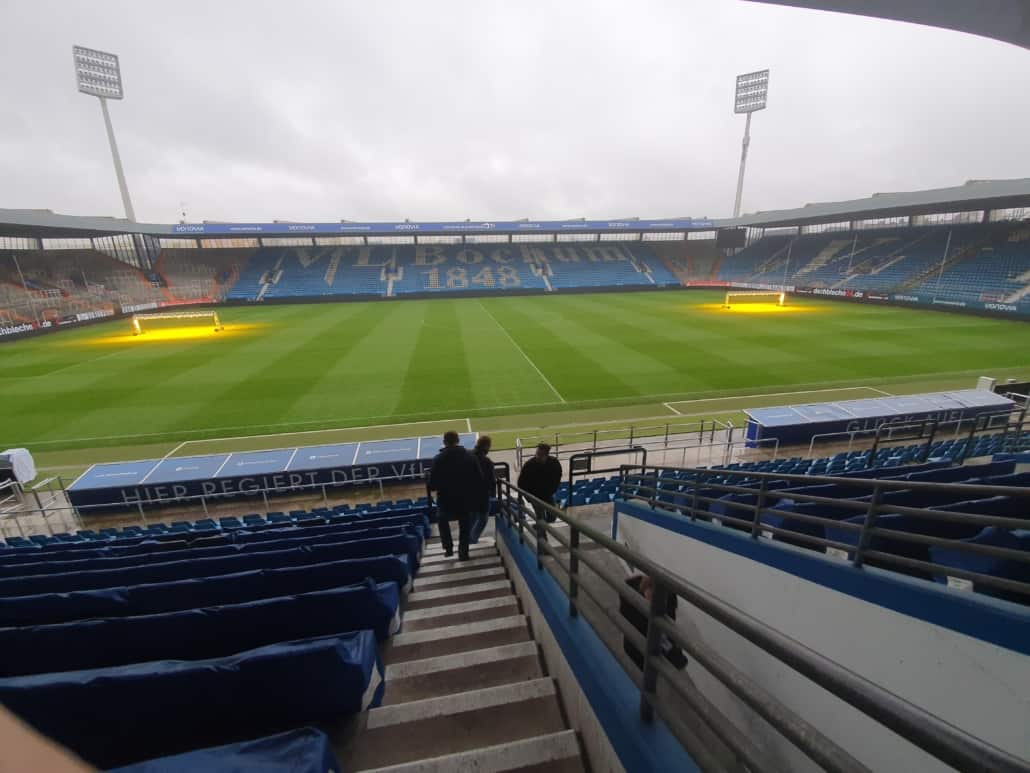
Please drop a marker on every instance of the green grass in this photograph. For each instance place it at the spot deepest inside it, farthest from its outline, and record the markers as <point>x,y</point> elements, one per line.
<point>510,364</point>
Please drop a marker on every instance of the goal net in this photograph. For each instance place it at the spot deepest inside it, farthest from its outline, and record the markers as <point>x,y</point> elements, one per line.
<point>141,323</point>
<point>754,296</point>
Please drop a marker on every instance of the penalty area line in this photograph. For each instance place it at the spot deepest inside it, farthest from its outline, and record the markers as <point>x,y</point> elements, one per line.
<point>669,406</point>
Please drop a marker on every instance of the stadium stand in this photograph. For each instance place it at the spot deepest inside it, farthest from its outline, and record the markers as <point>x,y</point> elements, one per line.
<point>388,270</point>
<point>788,515</point>
<point>200,275</point>
<point>959,262</point>
<point>63,283</point>
<point>249,612</point>
<point>965,262</point>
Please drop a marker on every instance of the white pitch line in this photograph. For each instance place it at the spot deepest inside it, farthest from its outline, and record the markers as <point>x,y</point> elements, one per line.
<point>172,452</point>
<point>519,349</point>
<point>667,405</point>
<point>882,392</point>
<point>468,423</point>
<point>78,364</point>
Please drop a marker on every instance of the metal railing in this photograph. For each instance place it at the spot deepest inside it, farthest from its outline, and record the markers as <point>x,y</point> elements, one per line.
<point>764,491</point>
<point>582,464</point>
<point>530,516</point>
<point>670,435</point>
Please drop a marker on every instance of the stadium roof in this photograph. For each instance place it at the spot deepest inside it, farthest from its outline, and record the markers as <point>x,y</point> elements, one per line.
<point>975,195</point>
<point>1006,20</point>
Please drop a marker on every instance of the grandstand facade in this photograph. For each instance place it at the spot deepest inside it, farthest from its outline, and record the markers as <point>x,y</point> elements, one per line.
<point>959,248</point>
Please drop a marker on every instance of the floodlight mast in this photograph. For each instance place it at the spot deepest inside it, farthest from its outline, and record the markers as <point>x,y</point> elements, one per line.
<point>98,74</point>
<point>752,88</point>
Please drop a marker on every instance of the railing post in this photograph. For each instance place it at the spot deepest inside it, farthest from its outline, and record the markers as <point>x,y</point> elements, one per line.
<point>759,506</point>
<point>595,440</point>
<point>325,497</point>
<point>264,496</point>
<point>520,519</point>
<point>659,604</point>
<point>541,535</point>
<point>870,520</point>
<point>653,498</point>
<point>694,500</point>
<point>142,517</point>
<point>666,435</point>
<point>573,570</point>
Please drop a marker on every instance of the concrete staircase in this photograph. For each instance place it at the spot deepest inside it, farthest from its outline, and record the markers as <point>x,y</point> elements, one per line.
<point>466,688</point>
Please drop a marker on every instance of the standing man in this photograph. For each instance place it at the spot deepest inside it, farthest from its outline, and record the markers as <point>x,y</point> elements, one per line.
<point>455,478</point>
<point>486,489</point>
<point>541,477</point>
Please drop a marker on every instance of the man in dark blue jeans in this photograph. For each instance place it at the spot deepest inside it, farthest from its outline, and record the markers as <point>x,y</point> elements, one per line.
<point>487,488</point>
<point>455,479</point>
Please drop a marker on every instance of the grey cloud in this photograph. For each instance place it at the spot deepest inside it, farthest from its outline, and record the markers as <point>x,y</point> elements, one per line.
<point>396,109</point>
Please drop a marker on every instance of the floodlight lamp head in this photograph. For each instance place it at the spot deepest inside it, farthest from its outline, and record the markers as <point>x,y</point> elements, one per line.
<point>97,73</point>
<point>752,89</point>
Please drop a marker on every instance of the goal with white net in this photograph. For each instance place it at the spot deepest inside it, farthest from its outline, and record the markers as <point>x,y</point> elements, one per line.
<point>141,323</point>
<point>777,297</point>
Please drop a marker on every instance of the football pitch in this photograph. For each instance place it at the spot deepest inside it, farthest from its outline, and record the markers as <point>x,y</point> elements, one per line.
<point>324,372</point>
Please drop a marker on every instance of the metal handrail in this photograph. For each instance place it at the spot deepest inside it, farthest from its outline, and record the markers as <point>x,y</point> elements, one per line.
<point>928,732</point>
<point>589,456</point>
<point>647,486</point>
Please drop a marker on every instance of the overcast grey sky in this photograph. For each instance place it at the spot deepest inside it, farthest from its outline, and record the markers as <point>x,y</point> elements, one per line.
<point>376,111</point>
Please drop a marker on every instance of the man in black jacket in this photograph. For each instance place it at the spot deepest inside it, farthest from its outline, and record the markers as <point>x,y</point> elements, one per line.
<point>455,478</point>
<point>541,477</point>
<point>487,488</point>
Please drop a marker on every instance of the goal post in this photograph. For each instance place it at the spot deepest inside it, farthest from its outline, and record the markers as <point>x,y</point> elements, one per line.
<point>141,323</point>
<point>777,297</point>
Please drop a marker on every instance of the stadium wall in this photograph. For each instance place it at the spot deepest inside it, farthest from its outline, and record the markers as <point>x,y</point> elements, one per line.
<point>984,308</point>
<point>961,658</point>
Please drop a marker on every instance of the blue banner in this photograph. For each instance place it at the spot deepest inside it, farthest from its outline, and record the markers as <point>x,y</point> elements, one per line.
<point>459,227</point>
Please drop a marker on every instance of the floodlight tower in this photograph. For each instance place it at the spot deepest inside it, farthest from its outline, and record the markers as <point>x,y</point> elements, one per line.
<point>98,74</point>
<point>752,88</point>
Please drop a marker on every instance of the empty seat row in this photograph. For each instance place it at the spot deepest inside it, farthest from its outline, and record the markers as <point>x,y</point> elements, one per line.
<point>166,571</point>
<point>199,633</point>
<point>200,591</point>
<point>120,715</point>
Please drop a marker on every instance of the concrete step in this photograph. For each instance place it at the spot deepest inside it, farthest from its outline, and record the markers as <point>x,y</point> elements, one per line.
<point>453,614</point>
<point>437,597</point>
<point>457,723</point>
<point>455,638</point>
<point>432,552</point>
<point>553,753</point>
<point>453,565</point>
<point>415,680</point>
<point>458,578</point>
